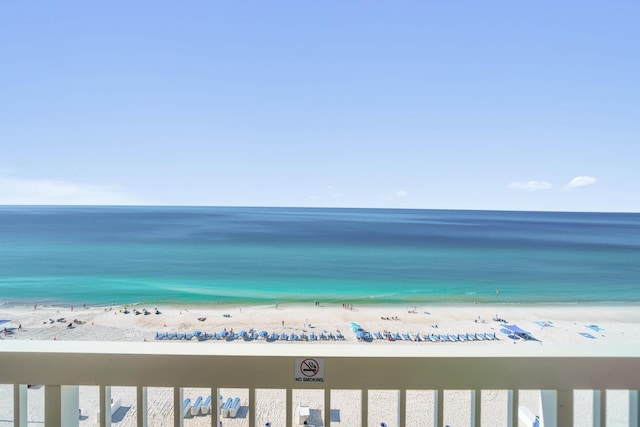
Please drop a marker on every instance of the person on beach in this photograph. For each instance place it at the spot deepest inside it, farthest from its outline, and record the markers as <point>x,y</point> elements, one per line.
<point>283,323</point>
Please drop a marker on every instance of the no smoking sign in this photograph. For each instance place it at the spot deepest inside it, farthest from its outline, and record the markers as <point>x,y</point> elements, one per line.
<point>309,370</point>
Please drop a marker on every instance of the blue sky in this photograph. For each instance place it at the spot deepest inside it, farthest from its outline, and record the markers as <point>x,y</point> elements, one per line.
<point>460,105</point>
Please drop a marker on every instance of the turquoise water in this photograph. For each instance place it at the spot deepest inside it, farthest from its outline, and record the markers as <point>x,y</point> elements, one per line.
<point>123,255</point>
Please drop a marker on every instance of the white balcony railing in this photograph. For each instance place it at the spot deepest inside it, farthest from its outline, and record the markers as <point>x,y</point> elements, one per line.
<point>555,370</point>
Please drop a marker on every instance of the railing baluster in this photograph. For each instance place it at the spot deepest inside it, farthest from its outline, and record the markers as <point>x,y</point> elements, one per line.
<point>289,407</point>
<point>565,407</point>
<point>252,407</point>
<point>438,408</point>
<point>476,405</point>
<point>512,408</point>
<point>215,403</point>
<point>634,408</point>
<point>402,412</point>
<point>364,415</point>
<point>141,402</point>
<point>178,414</point>
<point>105,406</point>
<point>20,405</point>
<point>549,408</point>
<point>327,407</point>
<point>52,405</point>
<point>599,408</point>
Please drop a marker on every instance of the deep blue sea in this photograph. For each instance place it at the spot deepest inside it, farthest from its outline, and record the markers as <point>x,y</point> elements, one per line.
<point>124,255</point>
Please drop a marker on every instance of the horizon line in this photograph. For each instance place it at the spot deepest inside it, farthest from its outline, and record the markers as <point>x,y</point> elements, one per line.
<point>303,207</point>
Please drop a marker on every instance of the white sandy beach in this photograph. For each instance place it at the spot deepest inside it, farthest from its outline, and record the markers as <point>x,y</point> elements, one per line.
<point>548,324</point>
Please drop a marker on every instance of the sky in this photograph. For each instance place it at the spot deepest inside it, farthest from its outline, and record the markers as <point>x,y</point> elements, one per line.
<point>413,104</point>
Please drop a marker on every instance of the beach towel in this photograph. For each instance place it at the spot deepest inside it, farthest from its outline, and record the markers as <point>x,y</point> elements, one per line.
<point>587,335</point>
<point>544,324</point>
<point>594,327</point>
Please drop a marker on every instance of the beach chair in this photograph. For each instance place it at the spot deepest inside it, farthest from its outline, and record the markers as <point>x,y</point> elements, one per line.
<point>224,410</point>
<point>313,337</point>
<point>160,335</point>
<point>186,406</point>
<point>303,415</point>
<point>378,335</point>
<point>397,337</point>
<point>406,337</point>
<point>206,406</point>
<point>284,337</point>
<point>462,337</point>
<point>233,409</point>
<point>195,408</point>
<point>323,336</point>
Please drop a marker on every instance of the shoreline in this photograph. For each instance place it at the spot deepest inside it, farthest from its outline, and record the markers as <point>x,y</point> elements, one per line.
<point>63,305</point>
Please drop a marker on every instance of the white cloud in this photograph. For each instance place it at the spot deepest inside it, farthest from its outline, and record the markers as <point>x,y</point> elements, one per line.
<point>530,185</point>
<point>22,191</point>
<point>400,194</point>
<point>580,181</point>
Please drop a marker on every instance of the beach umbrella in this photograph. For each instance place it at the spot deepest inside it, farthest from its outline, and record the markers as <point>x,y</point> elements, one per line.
<point>242,333</point>
<point>263,334</point>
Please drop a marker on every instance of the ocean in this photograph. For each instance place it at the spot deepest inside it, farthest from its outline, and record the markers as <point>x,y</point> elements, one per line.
<point>220,255</point>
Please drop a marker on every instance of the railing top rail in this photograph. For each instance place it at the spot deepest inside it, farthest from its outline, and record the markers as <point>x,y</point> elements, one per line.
<point>270,365</point>
<point>342,350</point>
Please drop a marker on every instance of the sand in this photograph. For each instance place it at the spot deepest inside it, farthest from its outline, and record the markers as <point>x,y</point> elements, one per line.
<point>548,324</point>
